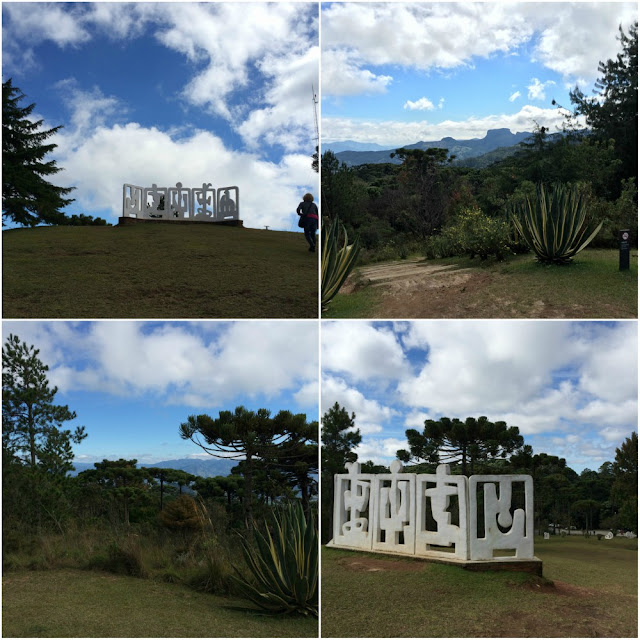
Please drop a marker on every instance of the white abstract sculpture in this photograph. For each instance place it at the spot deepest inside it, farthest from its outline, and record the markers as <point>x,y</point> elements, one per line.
<point>445,534</point>
<point>180,203</point>
<point>498,516</point>
<point>411,514</point>
<point>353,491</point>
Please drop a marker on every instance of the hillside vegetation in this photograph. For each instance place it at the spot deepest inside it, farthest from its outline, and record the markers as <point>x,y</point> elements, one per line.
<point>158,271</point>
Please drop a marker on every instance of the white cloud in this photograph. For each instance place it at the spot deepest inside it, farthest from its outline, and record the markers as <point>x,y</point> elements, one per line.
<point>514,96</point>
<point>536,90</point>
<point>569,38</point>
<point>177,364</point>
<point>571,388</point>
<point>423,104</point>
<point>370,414</point>
<point>342,75</point>
<point>396,133</point>
<point>575,37</point>
<point>223,42</point>
<point>379,450</point>
<point>59,23</point>
<point>99,158</point>
<point>362,351</point>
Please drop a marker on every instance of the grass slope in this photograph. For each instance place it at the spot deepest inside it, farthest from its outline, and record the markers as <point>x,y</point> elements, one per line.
<point>590,287</point>
<point>161,271</point>
<point>594,595</point>
<point>69,603</point>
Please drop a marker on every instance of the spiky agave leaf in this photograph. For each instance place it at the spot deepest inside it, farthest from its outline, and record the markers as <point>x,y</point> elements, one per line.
<point>554,225</point>
<point>284,565</point>
<point>337,262</point>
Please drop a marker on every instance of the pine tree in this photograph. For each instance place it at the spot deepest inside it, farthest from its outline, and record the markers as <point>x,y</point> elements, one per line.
<point>27,197</point>
<point>31,423</point>
<point>613,112</point>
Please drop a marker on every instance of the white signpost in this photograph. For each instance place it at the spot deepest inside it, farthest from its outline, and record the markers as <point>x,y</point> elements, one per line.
<point>411,514</point>
<point>205,203</point>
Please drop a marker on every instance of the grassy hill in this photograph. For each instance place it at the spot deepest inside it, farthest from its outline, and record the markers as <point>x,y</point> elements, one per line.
<point>163,271</point>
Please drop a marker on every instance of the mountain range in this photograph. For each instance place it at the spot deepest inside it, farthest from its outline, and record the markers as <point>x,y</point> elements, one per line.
<point>462,149</point>
<point>205,468</point>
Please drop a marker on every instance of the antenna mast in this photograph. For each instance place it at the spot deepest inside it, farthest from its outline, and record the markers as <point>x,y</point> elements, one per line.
<point>315,117</point>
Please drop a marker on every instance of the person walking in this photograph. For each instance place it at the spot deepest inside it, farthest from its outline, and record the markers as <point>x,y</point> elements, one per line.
<point>308,212</point>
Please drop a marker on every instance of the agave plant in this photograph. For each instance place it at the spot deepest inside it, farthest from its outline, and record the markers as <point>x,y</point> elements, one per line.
<point>337,262</point>
<point>554,225</point>
<point>284,565</point>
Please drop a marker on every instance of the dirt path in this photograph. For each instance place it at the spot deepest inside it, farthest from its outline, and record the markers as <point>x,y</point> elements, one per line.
<point>418,288</point>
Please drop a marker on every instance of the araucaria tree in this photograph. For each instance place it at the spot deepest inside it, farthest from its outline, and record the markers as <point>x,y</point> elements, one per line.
<point>255,438</point>
<point>31,423</point>
<point>27,197</point>
<point>470,443</point>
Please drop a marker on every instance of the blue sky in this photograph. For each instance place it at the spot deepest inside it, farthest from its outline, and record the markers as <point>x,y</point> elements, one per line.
<point>571,387</point>
<point>168,92</point>
<point>398,73</point>
<point>133,383</point>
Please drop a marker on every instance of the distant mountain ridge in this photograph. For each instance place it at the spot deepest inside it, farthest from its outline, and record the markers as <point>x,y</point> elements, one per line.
<point>462,149</point>
<point>198,467</point>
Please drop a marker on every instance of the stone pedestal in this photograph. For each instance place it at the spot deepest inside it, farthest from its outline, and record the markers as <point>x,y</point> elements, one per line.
<point>131,221</point>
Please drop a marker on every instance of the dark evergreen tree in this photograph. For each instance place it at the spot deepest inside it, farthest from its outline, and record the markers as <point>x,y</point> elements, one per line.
<point>613,113</point>
<point>339,438</point>
<point>31,422</point>
<point>27,197</point>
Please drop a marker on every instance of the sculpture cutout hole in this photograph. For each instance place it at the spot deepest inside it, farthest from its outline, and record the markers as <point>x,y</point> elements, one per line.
<point>504,553</point>
<point>442,549</point>
<point>400,537</point>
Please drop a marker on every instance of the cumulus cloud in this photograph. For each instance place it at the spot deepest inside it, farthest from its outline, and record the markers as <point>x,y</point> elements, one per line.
<point>362,351</point>
<point>379,450</point>
<point>99,158</point>
<point>514,96</point>
<point>342,75</point>
<point>571,388</point>
<point>371,415</point>
<point>536,90</point>
<point>395,133</point>
<point>568,38</point>
<point>423,104</point>
<point>266,49</point>
<point>177,363</point>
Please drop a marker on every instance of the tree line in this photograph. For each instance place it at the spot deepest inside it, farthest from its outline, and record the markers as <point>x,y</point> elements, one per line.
<point>277,461</point>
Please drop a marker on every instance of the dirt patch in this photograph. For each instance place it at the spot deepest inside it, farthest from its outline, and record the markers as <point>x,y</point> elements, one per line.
<point>379,564</point>
<point>555,587</point>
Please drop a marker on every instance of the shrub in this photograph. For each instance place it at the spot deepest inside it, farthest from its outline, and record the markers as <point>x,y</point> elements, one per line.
<point>183,514</point>
<point>476,234</point>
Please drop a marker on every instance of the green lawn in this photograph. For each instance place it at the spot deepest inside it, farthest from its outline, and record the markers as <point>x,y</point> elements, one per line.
<point>594,595</point>
<point>590,287</point>
<point>72,603</point>
<point>161,271</point>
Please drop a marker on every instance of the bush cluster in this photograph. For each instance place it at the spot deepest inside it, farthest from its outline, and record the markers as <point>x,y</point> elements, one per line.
<point>472,233</point>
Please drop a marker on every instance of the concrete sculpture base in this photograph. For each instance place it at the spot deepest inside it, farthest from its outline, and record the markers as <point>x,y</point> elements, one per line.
<point>531,565</point>
<point>129,221</point>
